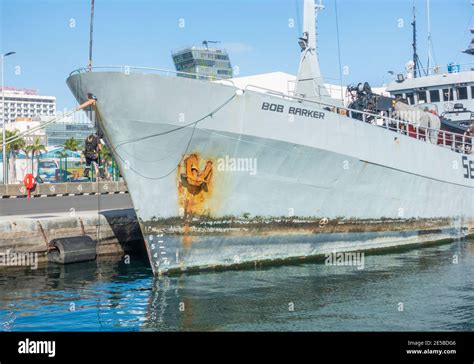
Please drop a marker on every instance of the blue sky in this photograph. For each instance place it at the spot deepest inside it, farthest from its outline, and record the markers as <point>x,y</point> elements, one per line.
<point>51,36</point>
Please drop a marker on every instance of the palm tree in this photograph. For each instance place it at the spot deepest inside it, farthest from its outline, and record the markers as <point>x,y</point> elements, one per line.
<point>15,148</point>
<point>35,149</point>
<point>105,157</point>
<point>60,155</point>
<point>72,145</point>
<point>12,151</point>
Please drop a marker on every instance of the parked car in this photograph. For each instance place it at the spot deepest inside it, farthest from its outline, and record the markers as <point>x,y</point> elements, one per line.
<point>62,176</point>
<point>47,170</point>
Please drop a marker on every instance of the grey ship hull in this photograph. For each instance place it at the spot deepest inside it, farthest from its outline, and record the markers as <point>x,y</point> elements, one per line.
<point>281,185</point>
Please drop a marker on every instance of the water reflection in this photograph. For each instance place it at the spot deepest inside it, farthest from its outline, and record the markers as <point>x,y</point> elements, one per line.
<point>436,294</point>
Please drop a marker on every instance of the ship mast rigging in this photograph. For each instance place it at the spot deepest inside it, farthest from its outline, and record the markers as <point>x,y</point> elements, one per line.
<point>417,67</point>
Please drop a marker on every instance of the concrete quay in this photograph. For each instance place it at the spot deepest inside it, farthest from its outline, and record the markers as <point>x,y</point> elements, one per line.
<point>116,231</point>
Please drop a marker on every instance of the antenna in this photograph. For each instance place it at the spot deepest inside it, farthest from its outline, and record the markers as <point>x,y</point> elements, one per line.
<point>339,50</point>
<point>416,59</point>
<point>206,42</point>
<point>430,40</point>
<point>91,35</point>
<point>470,48</point>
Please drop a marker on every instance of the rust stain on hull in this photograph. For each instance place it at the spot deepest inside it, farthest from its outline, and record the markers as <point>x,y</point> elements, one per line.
<point>195,187</point>
<point>470,226</point>
<point>187,239</point>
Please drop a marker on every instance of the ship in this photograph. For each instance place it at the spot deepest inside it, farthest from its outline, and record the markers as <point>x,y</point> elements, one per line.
<point>223,177</point>
<point>448,91</point>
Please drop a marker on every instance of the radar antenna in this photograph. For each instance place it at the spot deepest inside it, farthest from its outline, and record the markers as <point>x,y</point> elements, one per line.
<point>206,42</point>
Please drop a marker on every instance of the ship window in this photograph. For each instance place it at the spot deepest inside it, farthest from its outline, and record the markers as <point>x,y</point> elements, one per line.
<point>422,96</point>
<point>410,98</point>
<point>434,96</point>
<point>461,93</point>
<point>448,94</point>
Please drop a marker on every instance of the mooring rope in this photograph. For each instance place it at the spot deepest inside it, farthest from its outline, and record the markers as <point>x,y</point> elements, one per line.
<point>193,124</point>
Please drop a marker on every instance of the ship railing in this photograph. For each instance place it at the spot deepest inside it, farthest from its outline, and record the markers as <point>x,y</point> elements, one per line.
<point>146,70</point>
<point>459,143</point>
<point>442,70</point>
<point>455,141</point>
<point>449,69</point>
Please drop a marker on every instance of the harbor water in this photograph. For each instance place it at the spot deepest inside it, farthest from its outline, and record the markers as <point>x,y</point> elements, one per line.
<point>426,289</point>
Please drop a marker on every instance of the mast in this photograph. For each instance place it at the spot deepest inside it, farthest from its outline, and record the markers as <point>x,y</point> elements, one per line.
<point>430,41</point>
<point>416,68</point>
<point>470,48</point>
<point>309,83</point>
<point>91,32</point>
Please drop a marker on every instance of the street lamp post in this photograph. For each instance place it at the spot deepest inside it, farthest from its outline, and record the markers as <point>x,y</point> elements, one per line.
<point>4,144</point>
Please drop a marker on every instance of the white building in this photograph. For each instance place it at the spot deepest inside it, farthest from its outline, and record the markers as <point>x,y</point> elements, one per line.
<point>22,125</point>
<point>26,103</point>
